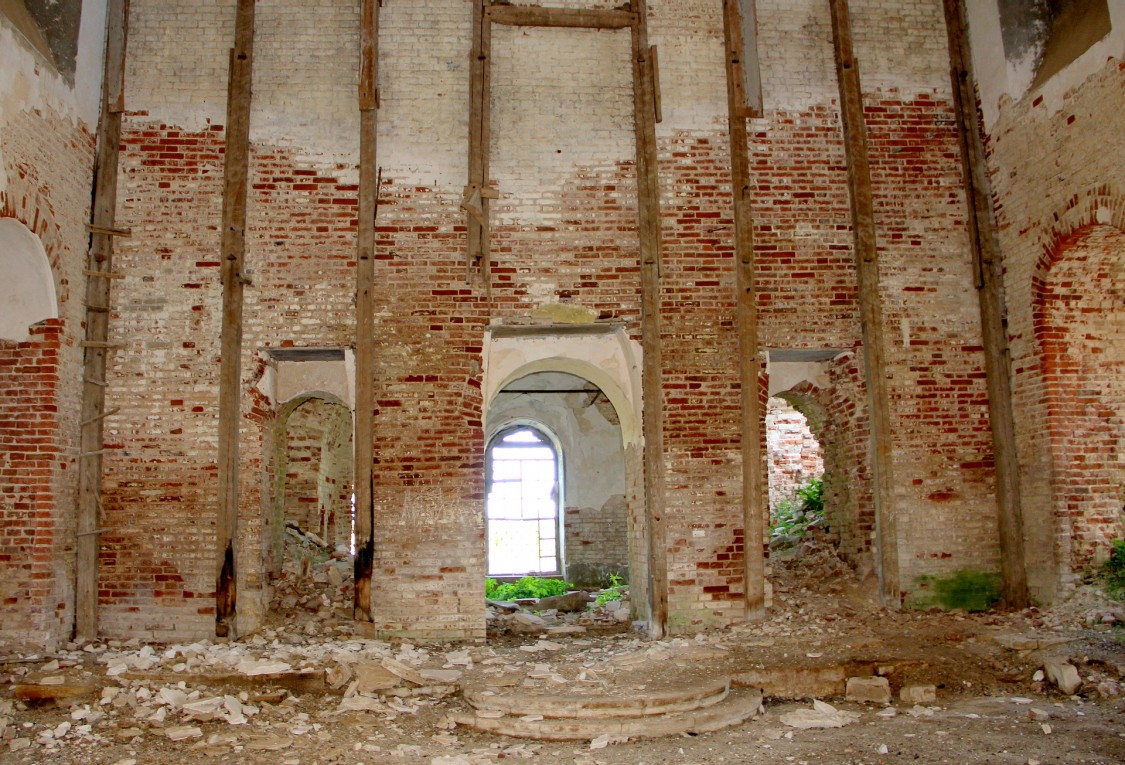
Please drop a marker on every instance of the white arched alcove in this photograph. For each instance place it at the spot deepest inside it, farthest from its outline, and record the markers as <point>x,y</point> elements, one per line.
<point>27,289</point>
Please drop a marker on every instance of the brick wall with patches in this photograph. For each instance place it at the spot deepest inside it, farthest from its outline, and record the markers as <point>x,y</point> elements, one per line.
<point>808,294</point>
<point>564,235</point>
<point>1055,159</point>
<point>47,121</point>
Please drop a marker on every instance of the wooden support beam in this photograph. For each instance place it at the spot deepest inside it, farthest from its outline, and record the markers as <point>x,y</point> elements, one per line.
<point>476,204</point>
<point>871,303</point>
<point>92,229</point>
<point>990,291</point>
<point>574,18</point>
<point>236,170</point>
<point>652,375</point>
<point>98,293</point>
<point>365,311</point>
<point>754,491</point>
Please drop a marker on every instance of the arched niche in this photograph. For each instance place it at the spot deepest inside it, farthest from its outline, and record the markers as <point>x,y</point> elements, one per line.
<point>27,290</point>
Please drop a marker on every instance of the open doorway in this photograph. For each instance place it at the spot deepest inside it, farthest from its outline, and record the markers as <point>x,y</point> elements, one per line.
<point>557,487</point>
<point>795,461</point>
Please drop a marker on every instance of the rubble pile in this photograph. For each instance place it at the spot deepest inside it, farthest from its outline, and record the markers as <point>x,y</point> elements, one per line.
<point>309,688</point>
<point>572,613</point>
<point>314,590</point>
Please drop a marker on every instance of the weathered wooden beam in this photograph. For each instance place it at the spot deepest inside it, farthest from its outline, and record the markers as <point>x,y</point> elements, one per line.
<point>871,303</point>
<point>365,312</point>
<point>236,170</point>
<point>652,375</point>
<point>746,320</point>
<point>98,293</point>
<point>990,290</point>
<point>476,202</point>
<point>574,18</point>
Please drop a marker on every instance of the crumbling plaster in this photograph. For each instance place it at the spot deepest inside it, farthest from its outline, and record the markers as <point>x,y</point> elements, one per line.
<point>1001,81</point>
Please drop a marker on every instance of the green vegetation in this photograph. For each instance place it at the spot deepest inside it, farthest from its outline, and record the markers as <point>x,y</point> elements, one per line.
<point>1113,570</point>
<point>793,517</point>
<point>528,587</point>
<point>966,590</point>
<point>615,591</point>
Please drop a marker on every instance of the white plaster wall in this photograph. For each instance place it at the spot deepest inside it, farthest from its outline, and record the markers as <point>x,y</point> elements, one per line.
<point>27,289</point>
<point>1000,82</point>
<point>593,452</point>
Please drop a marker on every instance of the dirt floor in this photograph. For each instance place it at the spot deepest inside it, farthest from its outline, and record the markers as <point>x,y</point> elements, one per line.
<point>309,690</point>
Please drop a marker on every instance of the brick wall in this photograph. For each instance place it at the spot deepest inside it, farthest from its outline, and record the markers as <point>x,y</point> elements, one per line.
<point>46,156</point>
<point>564,232</point>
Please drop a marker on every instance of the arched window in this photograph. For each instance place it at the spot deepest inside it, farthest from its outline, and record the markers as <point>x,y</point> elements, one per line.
<point>27,290</point>
<point>523,503</point>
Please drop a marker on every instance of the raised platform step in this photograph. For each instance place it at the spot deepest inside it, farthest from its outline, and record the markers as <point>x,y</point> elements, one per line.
<point>734,708</point>
<point>599,707</point>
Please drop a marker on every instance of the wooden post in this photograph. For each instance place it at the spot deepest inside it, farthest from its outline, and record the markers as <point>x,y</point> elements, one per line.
<point>871,304</point>
<point>99,266</point>
<point>365,312</point>
<point>989,284</point>
<point>236,170</point>
<point>746,321</point>
<point>477,195</point>
<point>648,203</point>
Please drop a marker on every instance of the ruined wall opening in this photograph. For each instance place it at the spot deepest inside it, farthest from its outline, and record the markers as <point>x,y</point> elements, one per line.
<point>310,509</point>
<point>1079,314</point>
<point>795,466</point>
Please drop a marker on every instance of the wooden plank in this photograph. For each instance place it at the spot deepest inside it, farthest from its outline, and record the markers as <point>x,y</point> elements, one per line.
<point>125,232</point>
<point>752,419</point>
<point>871,304</point>
<point>990,285</point>
<point>574,18</point>
<point>657,101</point>
<point>652,375</point>
<point>236,170</point>
<point>480,120</point>
<point>365,313</point>
<point>98,293</point>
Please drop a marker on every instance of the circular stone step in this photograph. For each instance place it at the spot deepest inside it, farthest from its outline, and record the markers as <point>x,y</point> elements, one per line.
<point>736,708</point>
<point>639,704</point>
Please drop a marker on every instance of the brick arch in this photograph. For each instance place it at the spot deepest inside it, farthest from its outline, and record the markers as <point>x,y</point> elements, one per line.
<point>1102,205</point>
<point>1078,313</point>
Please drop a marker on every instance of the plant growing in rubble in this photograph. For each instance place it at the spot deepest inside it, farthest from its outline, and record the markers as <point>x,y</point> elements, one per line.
<point>793,517</point>
<point>1113,570</point>
<point>615,591</point>
<point>527,587</point>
